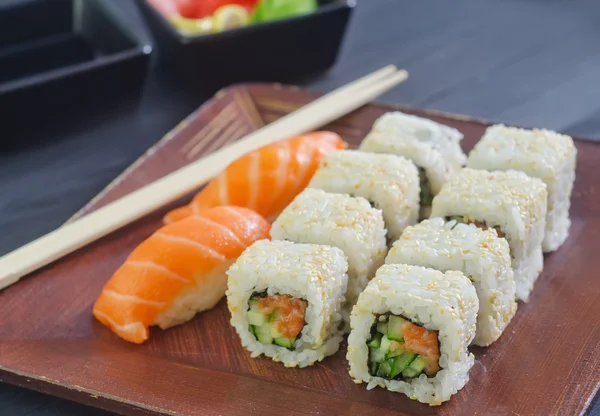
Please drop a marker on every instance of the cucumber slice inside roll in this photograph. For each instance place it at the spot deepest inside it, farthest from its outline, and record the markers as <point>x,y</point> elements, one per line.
<point>415,368</point>
<point>395,346</point>
<point>394,330</point>
<point>375,341</point>
<point>285,342</point>
<point>402,362</point>
<point>263,333</point>
<point>256,318</point>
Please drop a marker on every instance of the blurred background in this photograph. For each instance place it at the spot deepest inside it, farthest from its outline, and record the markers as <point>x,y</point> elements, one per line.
<point>534,63</point>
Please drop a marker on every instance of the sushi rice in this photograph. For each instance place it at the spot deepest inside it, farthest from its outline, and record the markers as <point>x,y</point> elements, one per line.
<point>389,182</point>
<point>433,147</point>
<point>512,201</point>
<point>349,223</point>
<point>315,273</point>
<point>542,154</point>
<point>480,255</point>
<point>443,302</point>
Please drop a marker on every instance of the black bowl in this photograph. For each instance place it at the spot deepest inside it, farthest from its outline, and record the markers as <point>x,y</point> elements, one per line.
<point>61,58</point>
<point>278,51</point>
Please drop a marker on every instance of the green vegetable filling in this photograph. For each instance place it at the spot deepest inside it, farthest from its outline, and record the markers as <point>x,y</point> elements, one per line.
<point>387,356</point>
<point>264,325</point>
<point>269,10</point>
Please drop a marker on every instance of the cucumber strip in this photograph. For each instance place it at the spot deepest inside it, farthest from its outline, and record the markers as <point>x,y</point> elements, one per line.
<point>382,327</point>
<point>395,328</point>
<point>253,304</point>
<point>252,329</point>
<point>375,342</point>
<point>395,349</point>
<point>402,362</point>
<point>409,373</point>
<point>263,333</point>
<point>385,344</point>
<point>285,342</point>
<point>418,364</point>
<point>415,368</point>
<point>275,333</point>
<point>256,318</point>
<point>384,369</point>
<point>377,355</point>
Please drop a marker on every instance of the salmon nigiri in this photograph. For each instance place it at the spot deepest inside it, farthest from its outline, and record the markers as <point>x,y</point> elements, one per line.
<point>178,271</point>
<point>267,179</point>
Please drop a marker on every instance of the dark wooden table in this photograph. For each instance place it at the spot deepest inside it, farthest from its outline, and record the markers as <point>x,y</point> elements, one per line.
<point>528,62</point>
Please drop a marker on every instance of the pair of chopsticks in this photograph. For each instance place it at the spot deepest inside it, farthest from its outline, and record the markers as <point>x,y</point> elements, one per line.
<point>143,201</point>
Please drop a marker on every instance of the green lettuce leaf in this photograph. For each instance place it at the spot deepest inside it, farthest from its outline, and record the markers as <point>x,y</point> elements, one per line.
<point>268,10</point>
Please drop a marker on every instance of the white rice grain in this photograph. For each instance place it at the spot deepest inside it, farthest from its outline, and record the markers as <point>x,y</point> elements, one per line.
<point>480,255</point>
<point>315,273</point>
<point>349,223</point>
<point>443,302</point>
<point>389,182</point>
<point>511,200</point>
<point>542,154</point>
<point>430,145</point>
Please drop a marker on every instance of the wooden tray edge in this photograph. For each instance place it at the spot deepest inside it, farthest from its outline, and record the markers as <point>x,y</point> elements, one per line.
<point>54,388</point>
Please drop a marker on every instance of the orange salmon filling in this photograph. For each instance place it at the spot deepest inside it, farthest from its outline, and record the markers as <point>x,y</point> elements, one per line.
<point>421,341</point>
<point>287,313</point>
<point>277,319</point>
<point>400,349</point>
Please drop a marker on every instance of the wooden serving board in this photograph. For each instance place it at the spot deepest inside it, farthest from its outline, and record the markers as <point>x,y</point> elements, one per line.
<point>546,363</point>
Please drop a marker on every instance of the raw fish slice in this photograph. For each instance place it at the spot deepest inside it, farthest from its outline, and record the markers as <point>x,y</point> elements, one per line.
<point>265,180</point>
<point>177,272</point>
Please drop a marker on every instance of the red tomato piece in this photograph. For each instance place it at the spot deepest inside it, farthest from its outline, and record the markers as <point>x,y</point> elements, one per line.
<point>188,8</point>
<point>208,7</point>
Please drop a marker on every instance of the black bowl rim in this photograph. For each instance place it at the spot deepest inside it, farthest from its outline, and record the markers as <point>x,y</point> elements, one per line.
<point>187,40</point>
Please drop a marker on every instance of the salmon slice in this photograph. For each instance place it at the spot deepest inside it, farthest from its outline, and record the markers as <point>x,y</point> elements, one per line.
<point>178,271</point>
<point>265,180</point>
<point>419,340</point>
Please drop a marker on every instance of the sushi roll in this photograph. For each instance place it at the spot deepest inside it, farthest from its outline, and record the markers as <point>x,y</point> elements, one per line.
<point>512,203</point>
<point>285,300</point>
<point>177,272</point>
<point>479,254</point>
<point>433,147</point>
<point>267,179</point>
<point>348,223</point>
<point>410,331</point>
<point>543,154</point>
<point>388,182</point>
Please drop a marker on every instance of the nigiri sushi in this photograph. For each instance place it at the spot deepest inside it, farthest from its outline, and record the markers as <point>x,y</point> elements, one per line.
<point>177,272</point>
<point>265,180</point>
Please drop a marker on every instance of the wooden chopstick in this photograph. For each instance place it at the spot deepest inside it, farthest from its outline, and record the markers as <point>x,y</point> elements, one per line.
<point>127,209</point>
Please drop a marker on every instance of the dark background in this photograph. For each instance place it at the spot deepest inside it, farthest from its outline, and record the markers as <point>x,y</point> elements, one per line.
<point>527,62</point>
